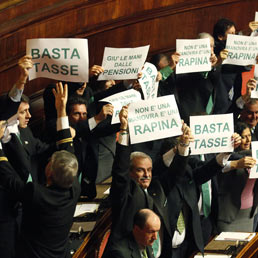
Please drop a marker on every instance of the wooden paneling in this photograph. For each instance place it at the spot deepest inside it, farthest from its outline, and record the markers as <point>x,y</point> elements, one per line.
<point>114,23</point>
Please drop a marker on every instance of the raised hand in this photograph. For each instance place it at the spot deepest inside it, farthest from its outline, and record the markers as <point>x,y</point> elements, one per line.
<point>25,63</point>
<point>123,116</point>
<point>187,136</point>
<point>95,70</point>
<point>61,94</point>
<point>105,111</point>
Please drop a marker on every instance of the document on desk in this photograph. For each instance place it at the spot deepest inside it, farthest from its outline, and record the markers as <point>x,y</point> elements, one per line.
<point>212,256</point>
<point>234,236</point>
<point>107,191</point>
<point>85,208</point>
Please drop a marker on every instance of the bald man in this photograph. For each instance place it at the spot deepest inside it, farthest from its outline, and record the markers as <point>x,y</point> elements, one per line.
<point>138,243</point>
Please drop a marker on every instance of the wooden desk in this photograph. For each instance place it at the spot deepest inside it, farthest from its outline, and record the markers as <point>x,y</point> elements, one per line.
<point>250,249</point>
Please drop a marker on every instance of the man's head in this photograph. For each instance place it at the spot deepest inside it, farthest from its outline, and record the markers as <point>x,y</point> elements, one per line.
<point>249,115</point>
<point>23,112</point>
<point>61,169</point>
<point>146,227</point>
<point>204,35</point>
<point>141,168</point>
<point>222,28</point>
<point>76,109</point>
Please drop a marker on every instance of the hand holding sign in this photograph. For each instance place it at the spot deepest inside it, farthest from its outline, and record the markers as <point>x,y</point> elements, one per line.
<point>96,70</point>
<point>25,63</point>
<point>253,25</point>
<point>236,140</point>
<point>245,162</point>
<point>105,111</point>
<point>187,136</point>
<point>251,90</point>
<point>123,117</point>
<point>174,60</point>
<point>213,59</point>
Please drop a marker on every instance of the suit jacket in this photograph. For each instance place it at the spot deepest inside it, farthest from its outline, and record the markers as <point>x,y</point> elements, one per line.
<point>231,185</point>
<point>6,113</point>
<point>47,211</point>
<point>95,152</point>
<point>128,197</point>
<point>127,247</point>
<point>28,154</point>
<point>183,192</point>
<point>192,91</point>
<point>229,88</point>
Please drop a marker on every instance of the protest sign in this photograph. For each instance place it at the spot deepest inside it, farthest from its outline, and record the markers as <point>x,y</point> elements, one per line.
<point>148,81</point>
<point>194,55</point>
<point>242,50</point>
<point>123,63</point>
<point>254,93</point>
<point>121,99</point>
<point>254,169</point>
<point>212,133</point>
<point>256,16</point>
<point>59,59</point>
<point>154,119</point>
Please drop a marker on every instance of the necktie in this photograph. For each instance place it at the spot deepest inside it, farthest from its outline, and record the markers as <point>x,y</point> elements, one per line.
<point>209,105</point>
<point>180,223</point>
<point>19,137</point>
<point>149,200</point>
<point>155,245</point>
<point>144,254</point>
<point>206,199</point>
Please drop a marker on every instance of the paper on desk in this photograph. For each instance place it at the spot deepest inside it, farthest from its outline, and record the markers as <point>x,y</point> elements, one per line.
<point>233,236</point>
<point>107,191</point>
<point>85,208</point>
<point>212,256</point>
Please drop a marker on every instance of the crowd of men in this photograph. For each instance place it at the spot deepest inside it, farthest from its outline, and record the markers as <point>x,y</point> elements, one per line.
<point>165,203</point>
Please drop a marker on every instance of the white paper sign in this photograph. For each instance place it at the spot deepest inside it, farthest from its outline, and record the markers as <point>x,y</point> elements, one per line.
<point>254,169</point>
<point>154,119</point>
<point>194,55</point>
<point>256,16</point>
<point>212,133</point>
<point>242,50</point>
<point>121,99</point>
<point>148,81</point>
<point>123,63</point>
<point>59,59</point>
<point>254,93</point>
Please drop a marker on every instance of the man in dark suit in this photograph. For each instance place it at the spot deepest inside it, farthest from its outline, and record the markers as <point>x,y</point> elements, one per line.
<point>94,150</point>
<point>47,210</point>
<point>183,201</point>
<point>133,187</point>
<point>9,104</point>
<point>138,243</point>
<point>193,91</point>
